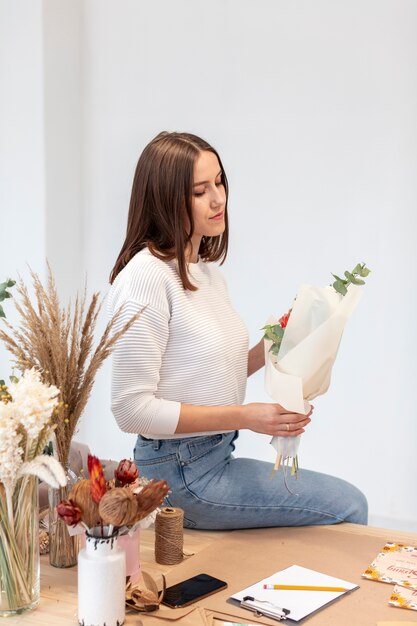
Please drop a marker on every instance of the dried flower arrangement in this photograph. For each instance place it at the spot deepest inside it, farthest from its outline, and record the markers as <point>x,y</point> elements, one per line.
<point>118,506</point>
<point>58,342</point>
<point>26,407</point>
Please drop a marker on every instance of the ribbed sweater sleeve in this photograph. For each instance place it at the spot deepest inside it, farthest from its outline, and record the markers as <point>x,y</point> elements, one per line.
<point>138,357</point>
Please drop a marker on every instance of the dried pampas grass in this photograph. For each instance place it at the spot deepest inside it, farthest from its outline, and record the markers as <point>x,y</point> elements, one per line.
<point>58,341</point>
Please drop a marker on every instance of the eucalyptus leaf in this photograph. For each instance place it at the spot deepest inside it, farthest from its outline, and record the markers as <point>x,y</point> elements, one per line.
<point>340,287</point>
<point>357,281</point>
<point>274,333</point>
<point>4,294</point>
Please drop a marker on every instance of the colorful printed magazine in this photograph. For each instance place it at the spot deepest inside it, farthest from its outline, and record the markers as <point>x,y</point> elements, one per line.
<point>397,564</point>
<point>404,598</point>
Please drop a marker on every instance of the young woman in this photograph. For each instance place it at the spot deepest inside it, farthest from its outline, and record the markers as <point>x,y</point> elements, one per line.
<point>179,373</point>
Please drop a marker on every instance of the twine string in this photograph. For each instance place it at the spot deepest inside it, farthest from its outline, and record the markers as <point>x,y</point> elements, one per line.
<point>169,538</point>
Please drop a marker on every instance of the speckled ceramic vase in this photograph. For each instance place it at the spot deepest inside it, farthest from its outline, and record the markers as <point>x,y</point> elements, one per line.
<point>101,580</point>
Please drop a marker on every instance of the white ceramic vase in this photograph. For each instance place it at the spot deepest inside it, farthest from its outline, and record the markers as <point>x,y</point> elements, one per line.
<point>101,580</point>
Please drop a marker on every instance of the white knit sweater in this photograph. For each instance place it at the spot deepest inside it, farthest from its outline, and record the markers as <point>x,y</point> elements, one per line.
<point>187,346</point>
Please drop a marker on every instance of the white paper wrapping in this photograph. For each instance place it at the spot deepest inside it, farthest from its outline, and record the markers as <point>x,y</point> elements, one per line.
<point>302,370</point>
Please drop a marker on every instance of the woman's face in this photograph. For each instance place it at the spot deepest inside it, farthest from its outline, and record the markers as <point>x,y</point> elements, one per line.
<point>209,199</point>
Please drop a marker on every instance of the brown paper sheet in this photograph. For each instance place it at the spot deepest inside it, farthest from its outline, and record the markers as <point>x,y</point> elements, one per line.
<point>395,623</point>
<point>191,616</point>
<point>245,557</point>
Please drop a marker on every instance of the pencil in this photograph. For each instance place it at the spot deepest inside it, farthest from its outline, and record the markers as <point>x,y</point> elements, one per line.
<point>304,588</point>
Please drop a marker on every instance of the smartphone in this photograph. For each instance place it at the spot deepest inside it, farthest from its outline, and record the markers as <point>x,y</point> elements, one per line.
<point>191,590</point>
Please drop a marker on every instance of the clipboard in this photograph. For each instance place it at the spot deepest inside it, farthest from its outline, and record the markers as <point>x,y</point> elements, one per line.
<point>291,605</point>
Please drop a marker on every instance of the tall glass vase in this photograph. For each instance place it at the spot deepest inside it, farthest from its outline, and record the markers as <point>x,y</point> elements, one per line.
<point>19,547</point>
<point>63,547</point>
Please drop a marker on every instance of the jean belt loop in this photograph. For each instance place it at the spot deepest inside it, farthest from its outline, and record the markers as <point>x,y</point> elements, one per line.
<point>156,444</point>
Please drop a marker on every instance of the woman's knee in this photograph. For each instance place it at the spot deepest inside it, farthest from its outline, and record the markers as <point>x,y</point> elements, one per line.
<point>359,508</point>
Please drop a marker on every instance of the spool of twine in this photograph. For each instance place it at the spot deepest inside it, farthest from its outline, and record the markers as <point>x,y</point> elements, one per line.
<point>169,539</point>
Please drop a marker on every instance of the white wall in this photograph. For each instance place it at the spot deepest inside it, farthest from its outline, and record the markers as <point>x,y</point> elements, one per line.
<point>22,166</point>
<point>63,119</point>
<point>312,107</point>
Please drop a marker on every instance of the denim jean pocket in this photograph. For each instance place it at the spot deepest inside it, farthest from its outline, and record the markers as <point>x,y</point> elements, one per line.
<point>202,446</point>
<point>145,455</point>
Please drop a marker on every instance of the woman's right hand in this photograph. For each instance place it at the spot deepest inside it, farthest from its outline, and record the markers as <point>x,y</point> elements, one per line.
<point>272,419</point>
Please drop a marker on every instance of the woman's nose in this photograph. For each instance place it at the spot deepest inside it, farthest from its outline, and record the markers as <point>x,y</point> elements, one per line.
<point>217,197</point>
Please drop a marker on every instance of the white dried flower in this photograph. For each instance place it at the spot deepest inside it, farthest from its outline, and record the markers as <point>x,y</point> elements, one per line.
<point>10,449</point>
<point>46,468</point>
<point>33,402</point>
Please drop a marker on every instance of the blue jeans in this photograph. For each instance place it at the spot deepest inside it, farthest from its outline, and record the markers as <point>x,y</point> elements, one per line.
<point>219,492</point>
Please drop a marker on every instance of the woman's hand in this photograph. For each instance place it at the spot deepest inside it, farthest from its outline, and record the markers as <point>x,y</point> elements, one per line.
<point>261,417</point>
<point>273,419</point>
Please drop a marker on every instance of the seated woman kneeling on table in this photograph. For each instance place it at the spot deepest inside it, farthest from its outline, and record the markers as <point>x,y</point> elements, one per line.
<point>180,371</point>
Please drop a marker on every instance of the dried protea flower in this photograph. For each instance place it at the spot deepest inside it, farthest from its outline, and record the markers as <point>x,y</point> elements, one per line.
<point>121,507</point>
<point>150,497</point>
<point>80,494</point>
<point>97,480</point>
<point>69,512</point>
<point>126,473</point>
<point>117,507</point>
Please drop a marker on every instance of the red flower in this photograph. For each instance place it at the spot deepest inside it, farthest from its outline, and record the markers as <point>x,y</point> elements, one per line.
<point>126,472</point>
<point>283,321</point>
<point>69,512</point>
<point>97,480</point>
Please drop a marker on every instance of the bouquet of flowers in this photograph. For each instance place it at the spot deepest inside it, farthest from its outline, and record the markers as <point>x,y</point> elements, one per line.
<point>118,506</point>
<point>59,342</point>
<point>26,409</point>
<point>301,347</point>
<point>107,511</point>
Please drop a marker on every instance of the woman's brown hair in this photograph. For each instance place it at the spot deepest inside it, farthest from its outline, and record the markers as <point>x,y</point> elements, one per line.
<point>160,210</point>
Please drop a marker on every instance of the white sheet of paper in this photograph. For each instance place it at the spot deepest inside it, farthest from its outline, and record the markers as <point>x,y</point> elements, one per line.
<point>309,346</point>
<point>300,603</point>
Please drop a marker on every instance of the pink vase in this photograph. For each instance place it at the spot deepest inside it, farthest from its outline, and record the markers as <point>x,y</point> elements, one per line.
<point>131,545</point>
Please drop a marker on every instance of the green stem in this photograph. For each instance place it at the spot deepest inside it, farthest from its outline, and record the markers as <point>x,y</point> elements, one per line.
<point>17,547</point>
<point>12,568</point>
<point>9,506</point>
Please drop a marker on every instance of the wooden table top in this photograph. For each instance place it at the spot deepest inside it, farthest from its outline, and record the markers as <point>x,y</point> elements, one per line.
<point>58,605</point>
